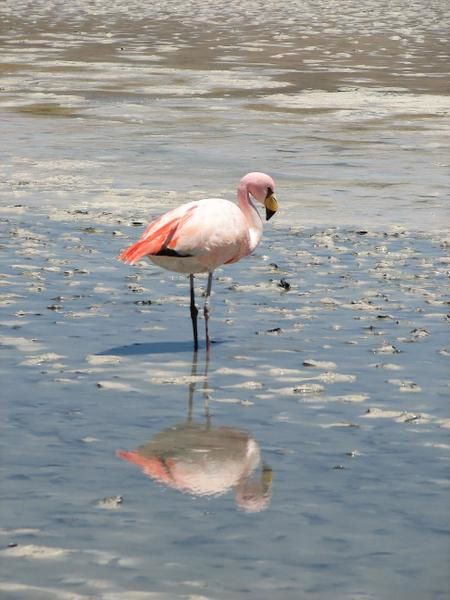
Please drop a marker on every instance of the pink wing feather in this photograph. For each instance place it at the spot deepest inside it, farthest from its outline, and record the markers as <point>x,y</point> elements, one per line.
<point>160,234</point>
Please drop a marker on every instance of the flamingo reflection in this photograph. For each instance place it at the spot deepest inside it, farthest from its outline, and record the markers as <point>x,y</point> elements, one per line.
<point>202,460</point>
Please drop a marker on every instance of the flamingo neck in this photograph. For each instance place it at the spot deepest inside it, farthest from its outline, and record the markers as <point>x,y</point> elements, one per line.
<point>251,214</point>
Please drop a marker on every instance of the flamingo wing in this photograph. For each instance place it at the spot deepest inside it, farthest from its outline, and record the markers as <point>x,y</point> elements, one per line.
<point>159,235</point>
<point>203,228</point>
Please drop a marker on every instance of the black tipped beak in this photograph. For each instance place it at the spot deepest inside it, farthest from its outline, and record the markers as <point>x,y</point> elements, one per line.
<point>271,205</point>
<point>269,213</point>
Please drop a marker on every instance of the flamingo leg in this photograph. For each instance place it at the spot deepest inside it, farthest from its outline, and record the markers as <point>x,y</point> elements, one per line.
<point>194,313</point>
<point>206,309</point>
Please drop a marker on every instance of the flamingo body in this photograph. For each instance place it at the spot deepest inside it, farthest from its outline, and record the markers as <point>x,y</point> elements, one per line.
<point>196,237</point>
<point>202,235</point>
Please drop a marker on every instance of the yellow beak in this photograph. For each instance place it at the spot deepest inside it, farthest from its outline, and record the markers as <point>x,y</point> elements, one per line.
<point>271,204</point>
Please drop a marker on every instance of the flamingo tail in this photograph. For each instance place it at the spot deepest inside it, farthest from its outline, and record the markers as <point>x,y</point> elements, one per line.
<point>157,239</point>
<point>152,242</point>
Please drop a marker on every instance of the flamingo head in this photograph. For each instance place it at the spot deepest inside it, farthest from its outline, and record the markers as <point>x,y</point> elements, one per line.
<point>262,188</point>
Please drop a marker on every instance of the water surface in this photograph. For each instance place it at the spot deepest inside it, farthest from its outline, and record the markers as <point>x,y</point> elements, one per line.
<point>309,458</point>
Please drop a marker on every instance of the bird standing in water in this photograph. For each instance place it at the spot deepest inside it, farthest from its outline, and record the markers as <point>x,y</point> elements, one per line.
<point>200,236</point>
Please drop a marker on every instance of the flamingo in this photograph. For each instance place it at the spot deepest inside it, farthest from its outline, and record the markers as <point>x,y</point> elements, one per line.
<point>199,236</point>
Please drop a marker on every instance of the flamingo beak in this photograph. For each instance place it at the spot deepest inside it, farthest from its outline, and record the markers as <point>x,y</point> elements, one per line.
<point>271,204</point>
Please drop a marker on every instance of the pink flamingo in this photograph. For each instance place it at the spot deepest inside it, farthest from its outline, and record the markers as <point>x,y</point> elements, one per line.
<point>199,236</point>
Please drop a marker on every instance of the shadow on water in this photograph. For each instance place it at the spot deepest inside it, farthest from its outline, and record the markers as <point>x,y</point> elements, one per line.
<point>153,348</point>
<point>199,459</point>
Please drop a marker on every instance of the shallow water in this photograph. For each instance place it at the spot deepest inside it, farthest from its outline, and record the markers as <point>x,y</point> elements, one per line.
<point>311,459</point>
